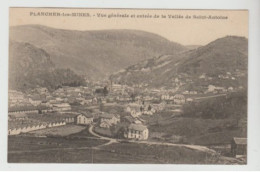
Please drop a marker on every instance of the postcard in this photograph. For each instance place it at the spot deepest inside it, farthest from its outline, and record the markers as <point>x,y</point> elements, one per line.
<point>127,86</point>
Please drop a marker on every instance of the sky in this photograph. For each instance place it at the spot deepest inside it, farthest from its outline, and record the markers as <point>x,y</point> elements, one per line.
<point>193,31</point>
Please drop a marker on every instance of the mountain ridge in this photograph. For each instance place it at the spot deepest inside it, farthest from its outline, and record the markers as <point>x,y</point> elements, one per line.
<point>227,54</point>
<point>30,67</point>
<point>96,54</point>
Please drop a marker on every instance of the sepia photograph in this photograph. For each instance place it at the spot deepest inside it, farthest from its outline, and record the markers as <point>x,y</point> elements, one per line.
<point>127,86</point>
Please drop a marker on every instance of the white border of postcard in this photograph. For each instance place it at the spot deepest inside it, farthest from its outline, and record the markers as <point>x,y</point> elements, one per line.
<point>253,92</point>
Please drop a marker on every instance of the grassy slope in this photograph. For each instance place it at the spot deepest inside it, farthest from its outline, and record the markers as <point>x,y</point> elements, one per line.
<point>30,66</point>
<point>20,143</point>
<point>95,53</point>
<point>115,153</point>
<point>213,121</point>
<point>218,57</point>
<point>59,131</point>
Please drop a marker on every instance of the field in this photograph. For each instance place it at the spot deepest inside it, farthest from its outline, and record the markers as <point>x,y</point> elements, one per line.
<point>61,150</point>
<point>168,127</point>
<point>23,143</point>
<point>103,131</point>
<point>163,153</point>
<point>59,131</point>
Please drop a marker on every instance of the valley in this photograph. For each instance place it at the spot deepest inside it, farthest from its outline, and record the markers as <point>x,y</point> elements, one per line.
<point>125,96</point>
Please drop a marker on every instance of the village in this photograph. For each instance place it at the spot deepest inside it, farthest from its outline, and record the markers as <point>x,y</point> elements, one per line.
<point>83,105</point>
<point>110,110</point>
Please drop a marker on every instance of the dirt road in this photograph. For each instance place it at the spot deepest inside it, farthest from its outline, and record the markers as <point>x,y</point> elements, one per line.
<point>112,140</point>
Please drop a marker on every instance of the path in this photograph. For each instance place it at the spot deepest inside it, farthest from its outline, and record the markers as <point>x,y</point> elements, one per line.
<point>219,95</point>
<point>112,140</point>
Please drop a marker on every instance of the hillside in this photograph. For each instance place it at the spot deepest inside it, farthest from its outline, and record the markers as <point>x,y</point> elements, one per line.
<point>228,54</point>
<point>95,54</point>
<point>30,66</point>
<point>192,47</point>
<point>218,57</point>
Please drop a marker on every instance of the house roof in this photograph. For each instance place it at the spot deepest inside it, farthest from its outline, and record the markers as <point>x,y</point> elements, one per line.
<point>87,114</point>
<point>21,108</point>
<point>35,97</point>
<point>130,119</point>
<point>107,115</point>
<point>105,122</point>
<point>69,115</point>
<point>240,141</point>
<point>26,108</point>
<point>138,127</point>
<point>41,107</point>
<point>179,96</point>
<point>61,105</point>
<point>20,115</point>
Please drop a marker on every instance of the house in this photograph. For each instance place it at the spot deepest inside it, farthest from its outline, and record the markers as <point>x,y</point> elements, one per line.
<point>14,131</point>
<point>203,76</point>
<point>123,98</point>
<point>59,92</point>
<point>110,118</point>
<point>105,124</point>
<point>22,109</point>
<point>24,128</point>
<point>179,99</point>
<point>230,89</point>
<point>146,112</point>
<point>167,97</point>
<point>128,119</point>
<point>133,109</point>
<point>136,113</point>
<point>189,92</point>
<point>94,100</point>
<point>186,92</point>
<point>136,131</point>
<point>43,109</point>
<point>35,100</point>
<point>239,147</point>
<point>16,97</point>
<point>211,88</point>
<point>193,92</point>
<point>84,119</point>
<point>215,89</point>
<point>189,100</point>
<point>137,121</point>
<point>55,124</point>
<point>61,107</point>
<point>69,118</point>
<point>117,87</point>
<point>159,107</point>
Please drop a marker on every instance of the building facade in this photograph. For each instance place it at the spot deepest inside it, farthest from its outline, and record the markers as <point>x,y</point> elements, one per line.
<point>84,119</point>
<point>239,147</point>
<point>136,131</point>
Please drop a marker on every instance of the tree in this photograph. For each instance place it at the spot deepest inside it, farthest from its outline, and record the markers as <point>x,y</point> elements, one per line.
<point>105,91</point>
<point>141,109</point>
<point>133,97</point>
<point>149,107</point>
